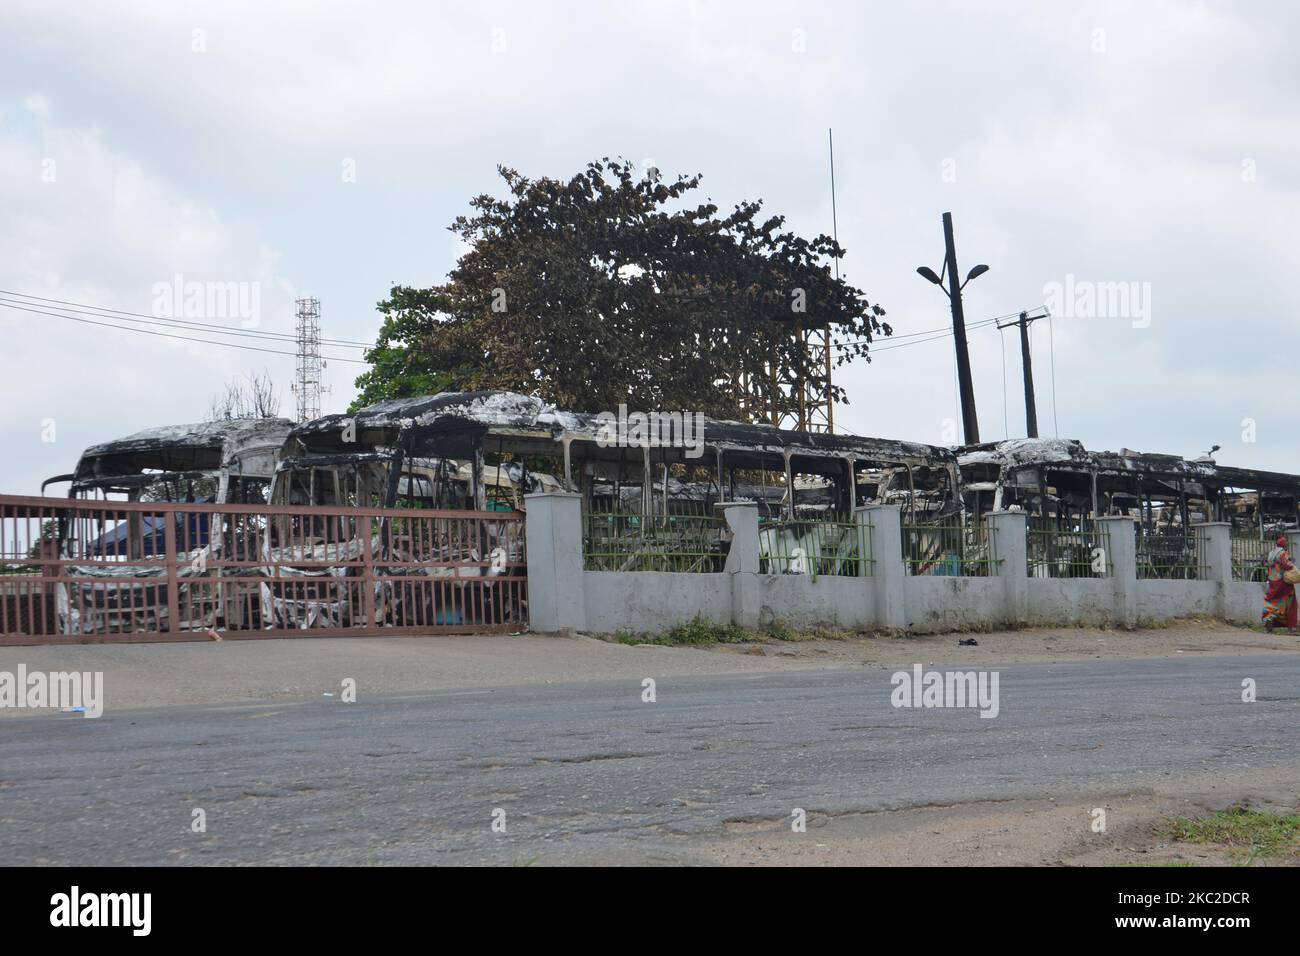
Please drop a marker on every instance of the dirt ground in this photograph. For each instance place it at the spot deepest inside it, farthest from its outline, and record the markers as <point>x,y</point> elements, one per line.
<point>1032,645</point>
<point>1019,832</point>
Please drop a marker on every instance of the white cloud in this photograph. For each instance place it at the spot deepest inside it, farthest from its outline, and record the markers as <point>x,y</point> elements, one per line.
<point>105,231</point>
<point>37,105</point>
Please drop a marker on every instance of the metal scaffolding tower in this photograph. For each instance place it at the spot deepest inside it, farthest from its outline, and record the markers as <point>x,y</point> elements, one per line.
<point>796,402</point>
<point>814,411</point>
<point>307,384</point>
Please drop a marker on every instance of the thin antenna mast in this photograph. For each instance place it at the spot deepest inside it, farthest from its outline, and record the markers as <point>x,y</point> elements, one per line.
<point>826,332</point>
<point>803,401</point>
<point>835,221</point>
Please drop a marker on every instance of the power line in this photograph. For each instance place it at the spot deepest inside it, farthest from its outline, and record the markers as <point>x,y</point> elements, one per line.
<point>121,315</point>
<point>902,345</point>
<point>1006,429</point>
<point>88,315</point>
<point>210,328</point>
<point>935,337</point>
<point>1051,340</point>
<point>166,335</point>
<point>945,332</point>
<point>255,336</point>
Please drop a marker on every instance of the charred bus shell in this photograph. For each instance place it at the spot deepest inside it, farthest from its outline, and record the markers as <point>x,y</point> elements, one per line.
<point>227,462</point>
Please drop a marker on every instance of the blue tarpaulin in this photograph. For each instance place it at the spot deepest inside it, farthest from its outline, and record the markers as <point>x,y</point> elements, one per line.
<point>153,531</point>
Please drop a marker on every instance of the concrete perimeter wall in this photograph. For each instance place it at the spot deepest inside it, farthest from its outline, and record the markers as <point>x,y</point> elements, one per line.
<point>565,597</point>
<point>631,600</point>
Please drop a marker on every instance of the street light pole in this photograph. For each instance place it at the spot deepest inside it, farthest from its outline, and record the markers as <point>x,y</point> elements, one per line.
<point>969,421</point>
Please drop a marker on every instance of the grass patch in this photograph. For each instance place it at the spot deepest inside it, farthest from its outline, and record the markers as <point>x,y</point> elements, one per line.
<point>1169,623</point>
<point>698,633</point>
<point>1252,834</point>
<point>780,631</point>
<point>692,634</point>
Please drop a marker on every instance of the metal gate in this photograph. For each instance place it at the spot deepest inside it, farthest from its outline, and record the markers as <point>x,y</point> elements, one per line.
<point>106,571</point>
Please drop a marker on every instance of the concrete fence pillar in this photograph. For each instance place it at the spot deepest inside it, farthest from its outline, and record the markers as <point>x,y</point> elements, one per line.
<point>888,572</point>
<point>1119,541</point>
<point>743,560</point>
<point>1008,543</point>
<point>553,534</point>
<point>1214,550</point>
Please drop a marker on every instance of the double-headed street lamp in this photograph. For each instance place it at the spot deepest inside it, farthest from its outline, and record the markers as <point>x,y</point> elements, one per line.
<point>969,422</point>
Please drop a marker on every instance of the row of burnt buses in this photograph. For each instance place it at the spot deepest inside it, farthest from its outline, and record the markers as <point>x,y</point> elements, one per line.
<point>481,453</point>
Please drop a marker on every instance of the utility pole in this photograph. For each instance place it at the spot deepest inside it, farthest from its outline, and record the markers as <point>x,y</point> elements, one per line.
<point>1031,408</point>
<point>964,381</point>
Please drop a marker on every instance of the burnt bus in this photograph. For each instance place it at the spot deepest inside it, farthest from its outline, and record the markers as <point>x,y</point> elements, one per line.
<point>1063,488</point>
<point>225,462</point>
<point>474,452</point>
<point>485,451</point>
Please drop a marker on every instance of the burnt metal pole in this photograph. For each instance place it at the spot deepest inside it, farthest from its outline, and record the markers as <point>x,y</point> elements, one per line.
<point>1031,410</point>
<point>969,422</point>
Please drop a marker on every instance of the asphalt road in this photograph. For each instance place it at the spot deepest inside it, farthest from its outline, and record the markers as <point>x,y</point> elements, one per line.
<point>588,772</point>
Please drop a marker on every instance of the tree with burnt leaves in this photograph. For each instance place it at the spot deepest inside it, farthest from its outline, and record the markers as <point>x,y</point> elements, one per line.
<point>613,286</point>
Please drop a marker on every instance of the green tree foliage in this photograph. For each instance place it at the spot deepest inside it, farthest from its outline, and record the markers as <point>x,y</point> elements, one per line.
<point>613,287</point>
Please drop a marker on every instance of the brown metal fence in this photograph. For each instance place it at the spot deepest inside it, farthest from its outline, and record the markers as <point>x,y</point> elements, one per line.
<point>91,571</point>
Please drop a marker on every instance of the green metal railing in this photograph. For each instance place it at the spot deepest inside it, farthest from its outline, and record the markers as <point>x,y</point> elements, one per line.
<point>815,547</point>
<point>1079,552</point>
<point>614,541</point>
<point>1173,554</point>
<point>1250,557</point>
<point>949,548</point>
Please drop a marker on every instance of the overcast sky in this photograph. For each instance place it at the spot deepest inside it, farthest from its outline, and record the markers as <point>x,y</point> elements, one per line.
<point>323,148</point>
